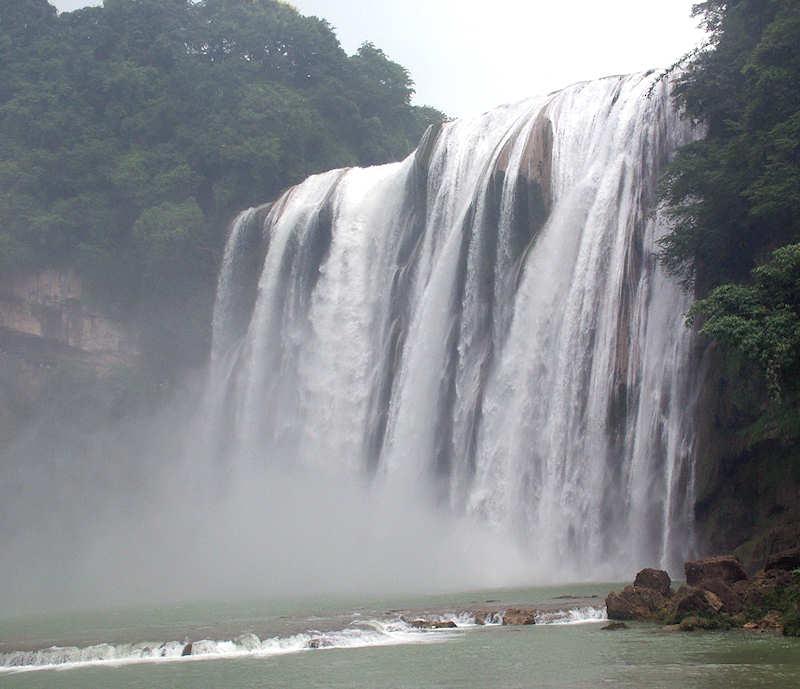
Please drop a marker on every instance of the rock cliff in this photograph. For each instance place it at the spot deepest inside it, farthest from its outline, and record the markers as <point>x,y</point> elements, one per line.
<point>49,332</point>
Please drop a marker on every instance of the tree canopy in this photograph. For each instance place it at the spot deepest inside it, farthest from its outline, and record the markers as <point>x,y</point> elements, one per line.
<point>131,133</point>
<point>735,201</point>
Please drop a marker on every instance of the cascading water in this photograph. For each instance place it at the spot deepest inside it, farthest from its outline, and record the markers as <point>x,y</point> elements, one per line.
<point>484,322</point>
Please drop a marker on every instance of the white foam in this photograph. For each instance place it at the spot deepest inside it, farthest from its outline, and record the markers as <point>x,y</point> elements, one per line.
<point>573,616</point>
<point>358,635</point>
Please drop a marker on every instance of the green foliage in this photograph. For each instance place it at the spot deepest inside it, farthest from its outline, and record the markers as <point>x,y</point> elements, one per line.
<point>735,196</point>
<point>131,133</point>
<point>758,326</point>
<point>791,623</point>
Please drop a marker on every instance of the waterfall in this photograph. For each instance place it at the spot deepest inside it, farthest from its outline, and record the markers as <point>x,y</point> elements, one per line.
<point>485,322</point>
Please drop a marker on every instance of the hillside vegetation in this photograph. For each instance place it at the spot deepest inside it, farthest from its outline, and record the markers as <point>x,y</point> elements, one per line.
<point>131,133</point>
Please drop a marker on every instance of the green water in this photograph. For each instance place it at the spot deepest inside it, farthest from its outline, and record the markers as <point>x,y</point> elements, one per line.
<point>539,657</point>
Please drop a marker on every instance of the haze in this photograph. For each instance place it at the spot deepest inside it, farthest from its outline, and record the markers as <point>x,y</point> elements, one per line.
<point>467,57</point>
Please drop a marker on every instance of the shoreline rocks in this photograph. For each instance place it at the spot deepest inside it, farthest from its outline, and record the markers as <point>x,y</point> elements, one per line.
<point>718,595</point>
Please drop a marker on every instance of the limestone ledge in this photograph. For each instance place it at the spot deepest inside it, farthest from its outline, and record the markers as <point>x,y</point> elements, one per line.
<point>50,305</point>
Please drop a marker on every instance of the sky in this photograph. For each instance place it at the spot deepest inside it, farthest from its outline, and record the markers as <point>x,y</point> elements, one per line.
<point>467,56</point>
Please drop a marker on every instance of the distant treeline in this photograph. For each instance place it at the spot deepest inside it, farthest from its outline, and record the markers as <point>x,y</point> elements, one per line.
<point>130,134</point>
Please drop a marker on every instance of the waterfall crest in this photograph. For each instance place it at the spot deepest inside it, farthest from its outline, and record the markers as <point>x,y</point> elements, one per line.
<point>485,322</point>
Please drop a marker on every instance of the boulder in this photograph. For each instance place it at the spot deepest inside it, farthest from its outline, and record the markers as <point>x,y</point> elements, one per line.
<point>788,560</point>
<point>519,616</point>
<point>724,567</point>
<point>187,650</point>
<point>655,579</point>
<point>635,603</point>
<point>693,601</point>
<point>614,626</point>
<point>731,600</point>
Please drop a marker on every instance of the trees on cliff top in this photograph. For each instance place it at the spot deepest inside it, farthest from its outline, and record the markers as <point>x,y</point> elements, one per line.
<point>735,200</point>
<point>130,133</point>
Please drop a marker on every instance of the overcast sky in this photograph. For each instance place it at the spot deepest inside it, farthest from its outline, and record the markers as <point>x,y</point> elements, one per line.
<point>467,56</point>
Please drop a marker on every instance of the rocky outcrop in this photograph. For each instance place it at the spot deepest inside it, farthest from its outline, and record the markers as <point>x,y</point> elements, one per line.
<point>655,579</point>
<point>730,599</point>
<point>718,595</point>
<point>724,567</point>
<point>51,305</point>
<point>635,603</point>
<point>690,600</point>
<point>519,616</point>
<point>642,601</point>
<point>53,343</point>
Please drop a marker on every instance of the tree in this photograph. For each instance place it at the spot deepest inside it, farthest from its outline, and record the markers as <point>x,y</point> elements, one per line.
<point>734,196</point>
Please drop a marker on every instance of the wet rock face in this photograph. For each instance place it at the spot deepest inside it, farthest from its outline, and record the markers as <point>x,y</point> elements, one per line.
<point>655,579</point>
<point>187,650</point>
<point>635,603</point>
<point>724,567</point>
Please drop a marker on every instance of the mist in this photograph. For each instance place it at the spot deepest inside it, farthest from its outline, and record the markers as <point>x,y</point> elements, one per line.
<point>132,517</point>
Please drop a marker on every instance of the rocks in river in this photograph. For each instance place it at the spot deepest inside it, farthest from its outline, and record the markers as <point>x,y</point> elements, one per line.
<point>482,617</point>
<point>187,650</point>
<point>519,616</point>
<point>773,621</point>
<point>724,567</point>
<point>731,600</point>
<point>691,600</point>
<point>718,595</point>
<point>319,642</point>
<point>694,623</point>
<point>655,579</point>
<point>421,623</point>
<point>614,626</point>
<point>635,603</point>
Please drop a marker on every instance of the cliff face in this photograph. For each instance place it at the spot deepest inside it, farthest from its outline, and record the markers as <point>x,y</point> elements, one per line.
<point>50,337</point>
<point>747,493</point>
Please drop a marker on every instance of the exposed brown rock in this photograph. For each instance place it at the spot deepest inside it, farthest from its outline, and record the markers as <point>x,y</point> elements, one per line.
<point>655,579</point>
<point>614,626</point>
<point>187,650</point>
<point>724,567</point>
<point>519,616</point>
<point>634,603</point>
<point>690,600</point>
<point>731,600</point>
